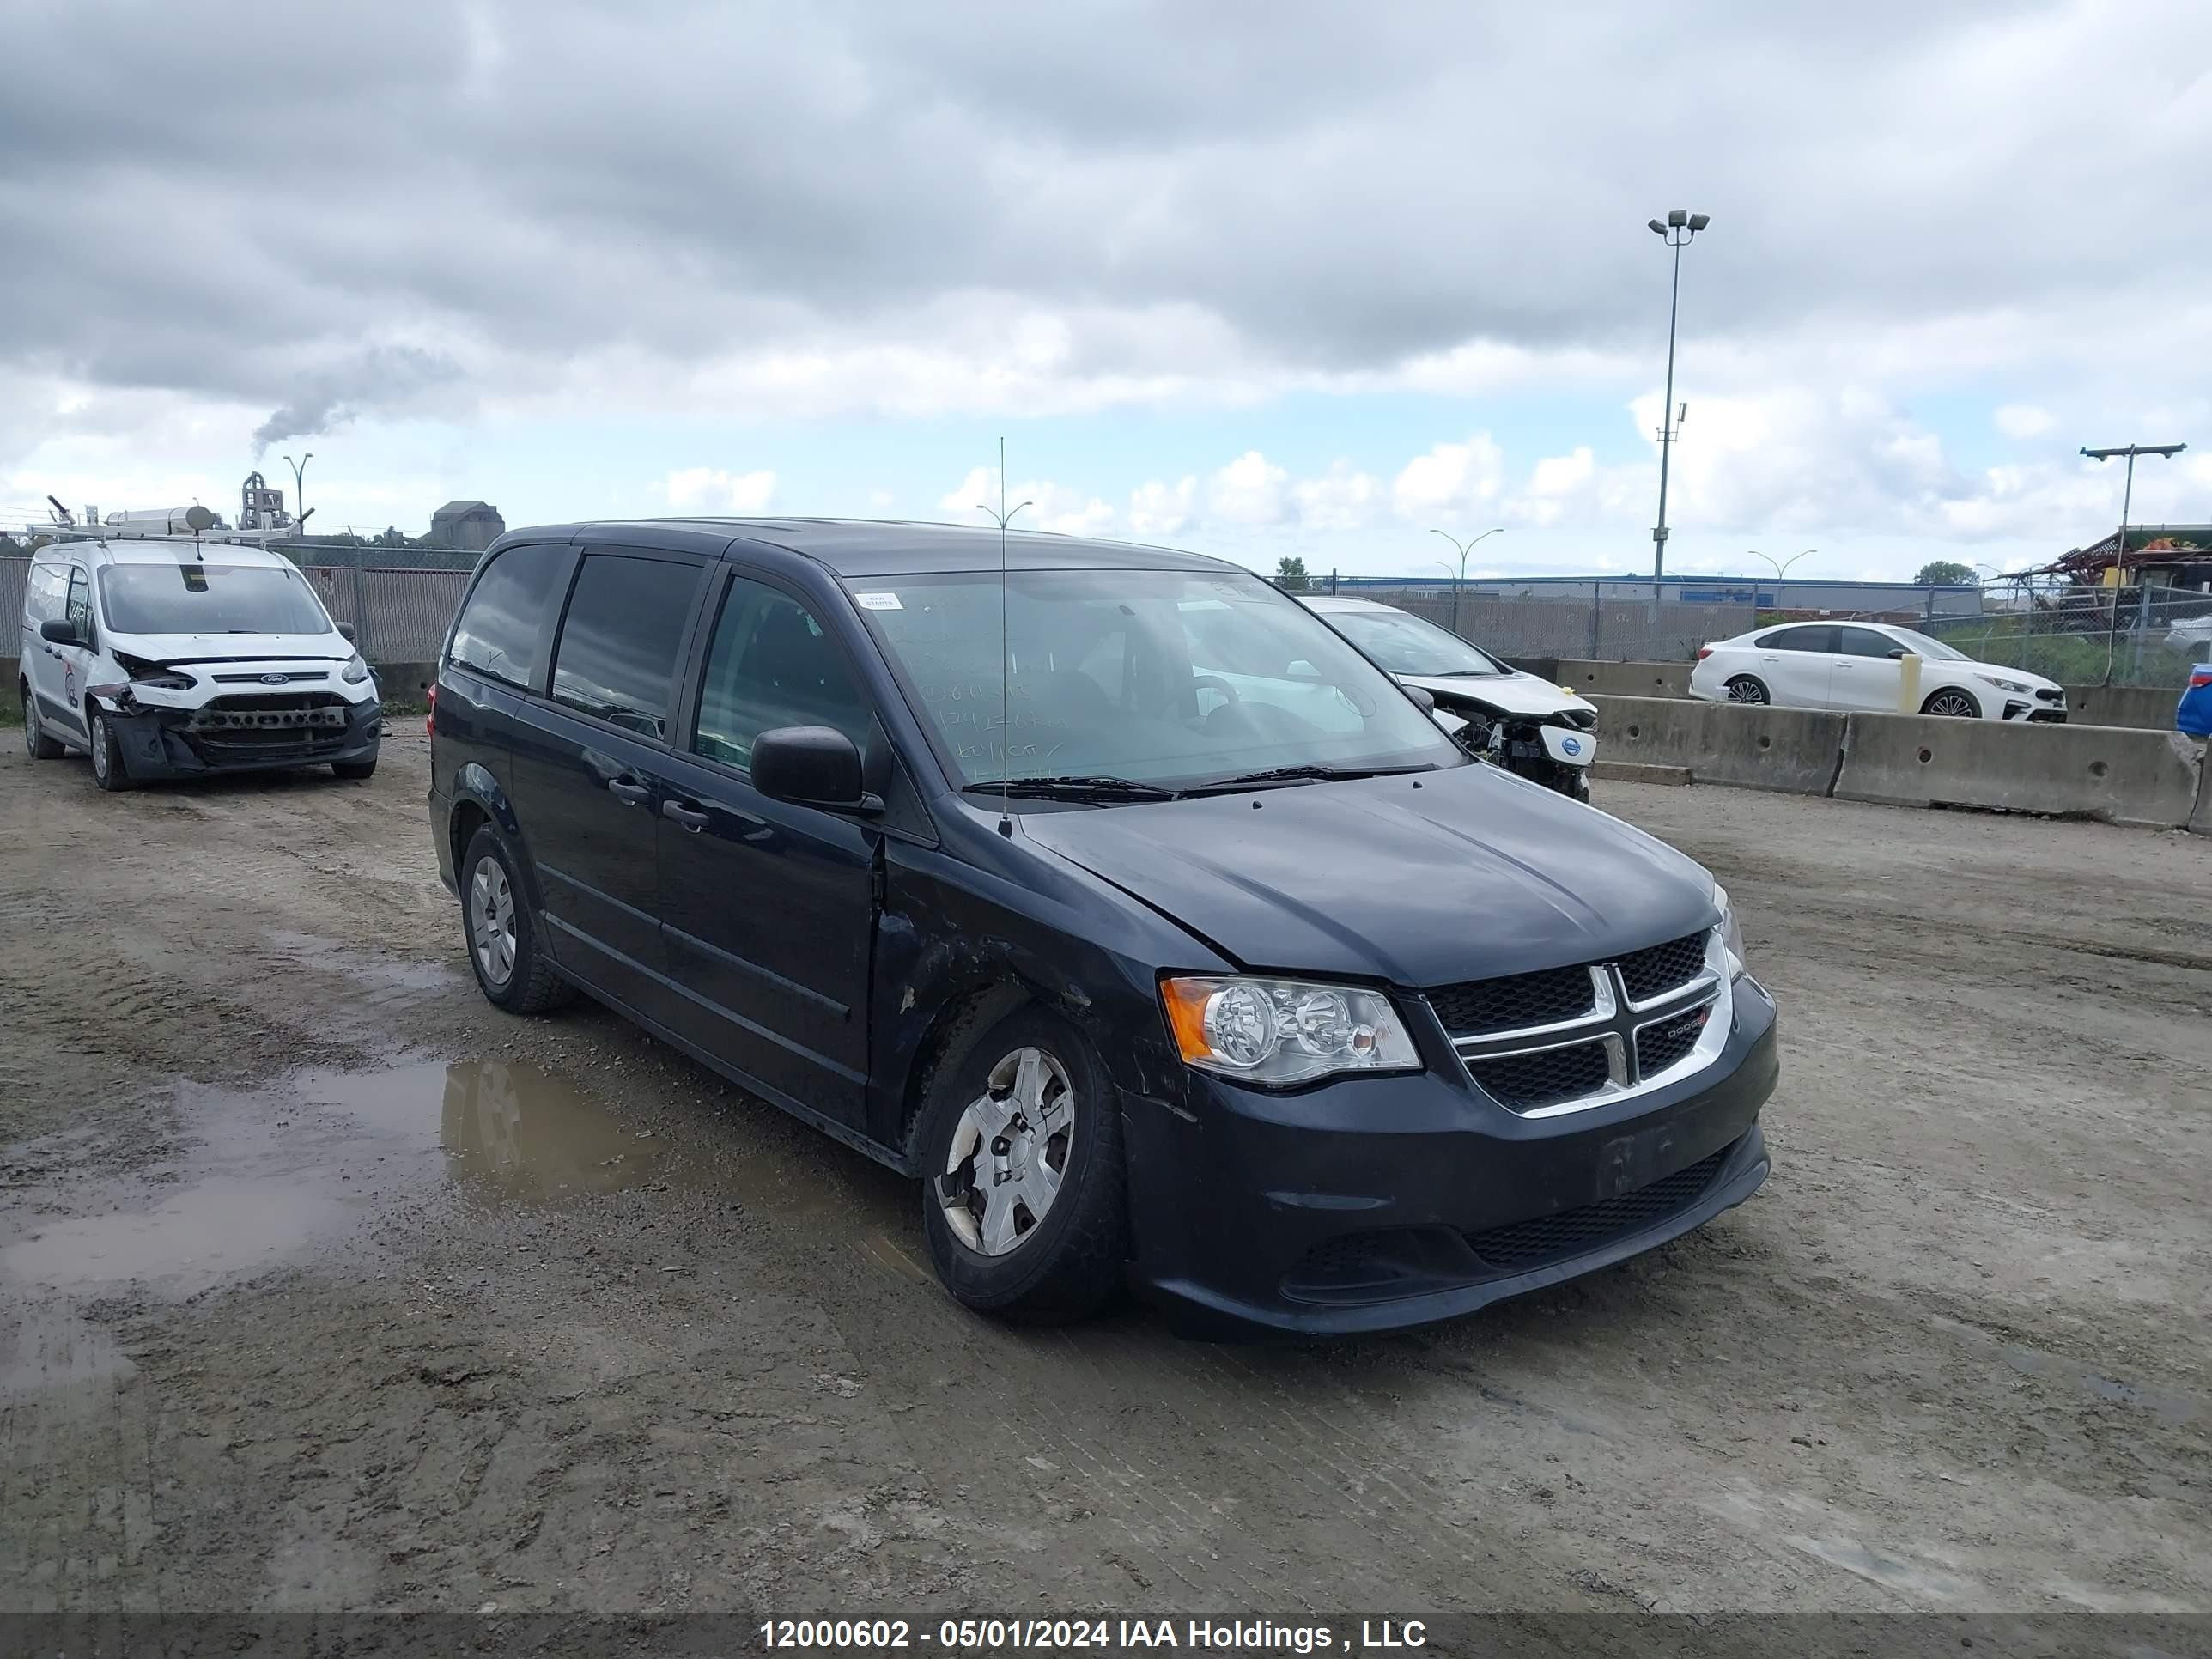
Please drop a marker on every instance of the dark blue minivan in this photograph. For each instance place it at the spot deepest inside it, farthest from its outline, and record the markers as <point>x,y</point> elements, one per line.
<point>1167,940</point>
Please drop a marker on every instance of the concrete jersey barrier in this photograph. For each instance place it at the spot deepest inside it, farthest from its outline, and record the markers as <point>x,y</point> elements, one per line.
<point>1793,750</point>
<point>1624,679</point>
<point>2148,779</point>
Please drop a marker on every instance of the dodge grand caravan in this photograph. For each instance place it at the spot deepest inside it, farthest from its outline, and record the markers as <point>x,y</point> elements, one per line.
<point>1254,993</point>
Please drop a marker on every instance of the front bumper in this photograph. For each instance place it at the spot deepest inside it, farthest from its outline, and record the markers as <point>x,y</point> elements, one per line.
<point>1374,1204</point>
<point>160,743</point>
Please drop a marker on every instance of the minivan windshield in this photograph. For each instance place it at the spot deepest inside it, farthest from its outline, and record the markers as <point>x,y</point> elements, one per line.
<point>1407,644</point>
<point>1171,679</point>
<point>192,597</point>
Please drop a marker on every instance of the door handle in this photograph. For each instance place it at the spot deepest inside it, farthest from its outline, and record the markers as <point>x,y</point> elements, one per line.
<point>1842,665</point>
<point>685,813</point>
<point>628,791</point>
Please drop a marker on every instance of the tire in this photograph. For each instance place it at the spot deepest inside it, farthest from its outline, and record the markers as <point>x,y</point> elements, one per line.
<point>36,742</point>
<point>107,754</point>
<point>355,771</point>
<point>1953,703</point>
<point>1748,688</point>
<point>1067,1262</point>
<point>509,938</point>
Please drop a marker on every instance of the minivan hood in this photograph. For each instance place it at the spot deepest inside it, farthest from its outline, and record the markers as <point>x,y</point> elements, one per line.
<point>233,648</point>
<point>1473,874</point>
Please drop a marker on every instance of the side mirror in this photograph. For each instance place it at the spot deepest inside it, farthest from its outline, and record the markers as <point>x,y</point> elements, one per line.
<point>1899,654</point>
<point>812,766</point>
<point>346,632</point>
<point>59,630</point>
<point>1422,698</point>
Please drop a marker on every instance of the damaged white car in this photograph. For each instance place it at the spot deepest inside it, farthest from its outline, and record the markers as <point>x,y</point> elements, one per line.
<point>168,658</point>
<point>1519,721</point>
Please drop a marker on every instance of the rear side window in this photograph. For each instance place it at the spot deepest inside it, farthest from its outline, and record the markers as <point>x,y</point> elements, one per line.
<point>1865,642</point>
<point>1800,639</point>
<point>498,632</point>
<point>616,659</point>
<point>771,664</point>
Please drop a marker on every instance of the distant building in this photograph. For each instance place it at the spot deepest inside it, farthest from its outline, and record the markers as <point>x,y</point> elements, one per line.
<point>466,527</point>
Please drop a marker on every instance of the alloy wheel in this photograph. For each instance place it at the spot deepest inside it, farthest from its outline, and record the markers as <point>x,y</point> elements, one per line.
<point>1010,1152</point>
<point>101,758</point>
<point>1746,690</point>
<point>491,920</point>
<point>1953,705</point>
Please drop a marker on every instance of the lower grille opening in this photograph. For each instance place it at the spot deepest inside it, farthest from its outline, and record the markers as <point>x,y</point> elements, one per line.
<point>1526,1244</point>
<point>1522,1083</point>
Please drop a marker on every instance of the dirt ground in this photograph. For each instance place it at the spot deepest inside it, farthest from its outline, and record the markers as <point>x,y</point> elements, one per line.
<point>324,1285</point>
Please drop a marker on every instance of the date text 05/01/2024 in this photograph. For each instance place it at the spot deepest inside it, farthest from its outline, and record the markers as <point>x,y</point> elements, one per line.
<point>1072,1635</point>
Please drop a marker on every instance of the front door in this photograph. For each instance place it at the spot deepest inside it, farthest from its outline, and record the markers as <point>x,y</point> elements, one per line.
<point>768,909</point>
<point>1863,675</point>
<point>585,768</point>
<point>55,672</point>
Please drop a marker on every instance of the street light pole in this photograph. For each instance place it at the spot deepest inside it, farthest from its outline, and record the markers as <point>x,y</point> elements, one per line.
<point>1782,569</point>
<point>2120,547</point>
<point>1680,230</point>
<point>1463,547</point>
<point>300,485</point>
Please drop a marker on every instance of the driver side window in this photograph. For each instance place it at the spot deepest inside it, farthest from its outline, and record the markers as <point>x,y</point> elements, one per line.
<point>772,664</point>
<point>80,603</point>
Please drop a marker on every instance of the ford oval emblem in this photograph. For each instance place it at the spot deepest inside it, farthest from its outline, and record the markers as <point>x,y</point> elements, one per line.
<point>275,679</point>
<point>1572,745</point>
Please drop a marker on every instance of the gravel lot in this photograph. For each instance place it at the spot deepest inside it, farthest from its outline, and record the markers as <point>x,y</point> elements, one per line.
<point>323,1285</point>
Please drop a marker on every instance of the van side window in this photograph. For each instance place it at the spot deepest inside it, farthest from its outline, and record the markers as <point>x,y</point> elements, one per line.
<point>616,657</point>
<point>771,664</point>
<point>498,632</point>
<point>80,603</point>
<point>46,593</point>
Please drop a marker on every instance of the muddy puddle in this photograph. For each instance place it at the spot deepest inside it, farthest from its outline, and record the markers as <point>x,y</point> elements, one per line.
<point>271,1171</point>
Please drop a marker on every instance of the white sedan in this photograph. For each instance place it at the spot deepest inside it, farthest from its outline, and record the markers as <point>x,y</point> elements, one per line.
<point>1863,665</point>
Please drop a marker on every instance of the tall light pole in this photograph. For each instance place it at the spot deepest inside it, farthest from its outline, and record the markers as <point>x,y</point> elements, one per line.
<point>1680,230</point>
<point>2127,495</point>
<point>1461,547</point>
<point>1782,569</point>
<point>299,484</point>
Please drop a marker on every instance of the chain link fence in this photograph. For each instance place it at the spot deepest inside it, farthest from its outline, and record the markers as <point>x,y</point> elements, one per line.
<point>1561,620</point>
<point>397,616</point>
<point>2138,636</point>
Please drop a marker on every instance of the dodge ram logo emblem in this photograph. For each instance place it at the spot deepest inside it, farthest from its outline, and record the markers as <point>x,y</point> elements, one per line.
<point>275,679</point>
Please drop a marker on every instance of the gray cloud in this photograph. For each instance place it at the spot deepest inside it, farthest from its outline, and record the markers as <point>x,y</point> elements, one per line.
<point>1334,188</point>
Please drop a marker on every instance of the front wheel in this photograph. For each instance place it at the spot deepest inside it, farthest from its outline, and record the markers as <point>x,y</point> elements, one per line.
<point>1952,703</point>
<point>36,742</point>
<point>1021,1149</point>
<point>107,769</point>
<point>1748,688</point>
<point>354,771</point>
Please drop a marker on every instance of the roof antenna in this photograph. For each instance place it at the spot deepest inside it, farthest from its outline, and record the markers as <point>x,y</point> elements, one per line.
<point>1005,663</point>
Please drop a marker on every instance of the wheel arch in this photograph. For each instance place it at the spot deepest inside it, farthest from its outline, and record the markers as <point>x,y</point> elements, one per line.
<point>478,799</point>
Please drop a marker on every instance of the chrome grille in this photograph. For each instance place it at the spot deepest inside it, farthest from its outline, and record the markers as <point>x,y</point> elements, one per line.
<point>1563,1039</point>
<point>1662,968</point>
<point>1514,1002</point>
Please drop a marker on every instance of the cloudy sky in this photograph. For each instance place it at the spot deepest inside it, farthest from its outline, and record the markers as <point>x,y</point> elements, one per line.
<point>1255,276</point>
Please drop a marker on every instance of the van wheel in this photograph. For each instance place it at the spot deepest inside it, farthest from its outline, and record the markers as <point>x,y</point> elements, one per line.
<point>107,755</point>
<point>1954,703</point>
<point>1748,688</point>
<point>35,740</point>
<point>501,933</point>
<point>1023,1178</point>
<point>354,771</point>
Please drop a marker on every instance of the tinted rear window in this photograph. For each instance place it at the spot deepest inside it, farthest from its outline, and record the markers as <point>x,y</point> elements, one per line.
<point>499,626</point>
<point>616,659</point>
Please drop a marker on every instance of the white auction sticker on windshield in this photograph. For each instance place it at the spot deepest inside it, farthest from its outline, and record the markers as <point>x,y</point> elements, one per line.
<point>878,601</point>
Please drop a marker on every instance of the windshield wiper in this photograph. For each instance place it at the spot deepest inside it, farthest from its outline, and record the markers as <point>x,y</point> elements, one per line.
<point>1466,674</point>
<point>1308,774</point>
<point>1076,788</point>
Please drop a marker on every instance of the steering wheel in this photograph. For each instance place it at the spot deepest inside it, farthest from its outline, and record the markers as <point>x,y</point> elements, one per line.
<point>1199,682</point>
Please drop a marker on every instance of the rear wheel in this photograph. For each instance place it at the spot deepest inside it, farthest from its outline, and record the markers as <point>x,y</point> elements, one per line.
<point>36,742</point>
<point>1952,703</point>
<point>107,755</point>
<point>511,969</point>
<point>1021,1149</point>
<point>1748,688</point>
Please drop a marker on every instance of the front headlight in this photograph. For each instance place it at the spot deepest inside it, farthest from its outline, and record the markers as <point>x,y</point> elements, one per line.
<point>2002,684</point>
<point>1731,931</point>
<point>355,670</point>
<point>1285,1031</point>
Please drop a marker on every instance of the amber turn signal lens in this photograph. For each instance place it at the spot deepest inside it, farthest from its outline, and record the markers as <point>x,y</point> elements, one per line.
<point>1186,999</point>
